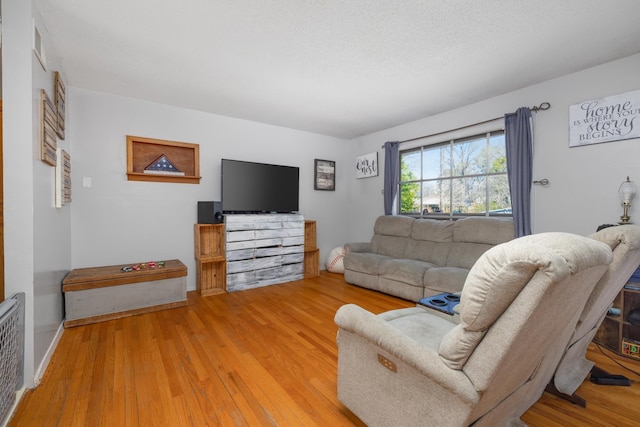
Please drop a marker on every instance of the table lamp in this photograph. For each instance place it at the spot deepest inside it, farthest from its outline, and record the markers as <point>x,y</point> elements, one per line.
<point>627,191</point>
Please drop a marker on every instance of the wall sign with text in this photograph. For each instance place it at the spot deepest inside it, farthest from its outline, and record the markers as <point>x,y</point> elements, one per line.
<point>367,165</point>
<point>325,175</point>
<point>607,119</point>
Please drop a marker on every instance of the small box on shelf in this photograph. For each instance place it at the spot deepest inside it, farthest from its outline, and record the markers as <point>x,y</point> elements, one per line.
<point>616,331</point>
<point>631,348</point>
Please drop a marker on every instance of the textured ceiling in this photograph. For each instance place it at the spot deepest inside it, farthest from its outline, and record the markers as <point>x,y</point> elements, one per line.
<point>336,67</point>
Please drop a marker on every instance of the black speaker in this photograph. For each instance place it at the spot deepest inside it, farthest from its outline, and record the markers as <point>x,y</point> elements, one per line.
<point>210,213</point>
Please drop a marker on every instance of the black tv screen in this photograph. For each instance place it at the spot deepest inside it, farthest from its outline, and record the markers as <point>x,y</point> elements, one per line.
<point>249,187</point>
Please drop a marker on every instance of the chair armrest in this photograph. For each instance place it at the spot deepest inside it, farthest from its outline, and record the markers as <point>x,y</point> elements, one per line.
<point>361,322</point>
<point>357,247</point>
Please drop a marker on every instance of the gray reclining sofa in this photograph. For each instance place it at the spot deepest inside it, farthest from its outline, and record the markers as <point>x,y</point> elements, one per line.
<point>416,258</point>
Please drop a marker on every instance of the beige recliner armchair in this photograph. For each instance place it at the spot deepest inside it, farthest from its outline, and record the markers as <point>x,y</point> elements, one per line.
<point>413,367</point>
<point>574,367</point>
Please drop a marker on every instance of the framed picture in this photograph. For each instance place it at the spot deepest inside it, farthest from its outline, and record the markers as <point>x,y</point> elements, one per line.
<point>59,103</point>
<point>63,178</point>
<point>367,165</point>
<point>48,141</point>
<point>38,47</point>
<point>325,175</point>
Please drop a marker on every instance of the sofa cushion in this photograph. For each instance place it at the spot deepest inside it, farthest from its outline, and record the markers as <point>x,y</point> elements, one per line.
<point>389,245</point>
<point>423,250</point>
<point>365,280</point>
<point>444,279</point>
<point>492,231</point>
<point>390,225</point>
<point>364,262</point>
<point>404,270</point>
<point>432,230</point>
<point>464,255</point>
<point>408,291</point>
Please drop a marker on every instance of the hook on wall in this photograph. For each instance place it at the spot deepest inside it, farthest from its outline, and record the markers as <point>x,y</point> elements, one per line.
<point>543,181</point>
<point>542,107</point>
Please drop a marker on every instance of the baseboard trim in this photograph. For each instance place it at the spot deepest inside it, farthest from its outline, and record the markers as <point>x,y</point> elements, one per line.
<point>37,377</point>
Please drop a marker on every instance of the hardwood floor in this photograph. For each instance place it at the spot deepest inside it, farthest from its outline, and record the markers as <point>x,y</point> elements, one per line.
<point>264,357</point>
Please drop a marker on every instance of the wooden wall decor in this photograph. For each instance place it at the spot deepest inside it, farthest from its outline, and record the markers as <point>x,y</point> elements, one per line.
<point>141,152</point>
<point>48,125</point>
<point>63,178</point>
<point>59,99</point>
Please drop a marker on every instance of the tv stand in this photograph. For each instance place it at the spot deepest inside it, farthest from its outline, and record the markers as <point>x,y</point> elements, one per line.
<point>259,213</point>
<point>263,250</point>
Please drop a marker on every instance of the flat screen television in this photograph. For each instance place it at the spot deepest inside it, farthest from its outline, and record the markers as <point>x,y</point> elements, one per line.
<point>249,187</point>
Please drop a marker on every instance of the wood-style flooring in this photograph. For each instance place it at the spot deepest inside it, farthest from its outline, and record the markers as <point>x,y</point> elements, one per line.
<point>263,357</point>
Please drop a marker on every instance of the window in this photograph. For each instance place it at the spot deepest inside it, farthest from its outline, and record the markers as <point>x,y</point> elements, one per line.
<point>462,177</point>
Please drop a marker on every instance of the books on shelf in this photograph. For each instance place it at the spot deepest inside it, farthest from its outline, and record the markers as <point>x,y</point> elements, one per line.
<point>635,277</point>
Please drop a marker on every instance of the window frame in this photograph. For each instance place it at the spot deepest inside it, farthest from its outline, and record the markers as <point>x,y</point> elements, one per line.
<point>451,143</point>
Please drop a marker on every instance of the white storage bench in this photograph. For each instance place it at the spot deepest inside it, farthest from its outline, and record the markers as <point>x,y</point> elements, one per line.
<point>98,294</point>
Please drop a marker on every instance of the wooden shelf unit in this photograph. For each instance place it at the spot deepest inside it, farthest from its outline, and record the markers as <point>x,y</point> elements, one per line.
<point>615,329</point>
<point>211,264</point>
<point>311,252</point>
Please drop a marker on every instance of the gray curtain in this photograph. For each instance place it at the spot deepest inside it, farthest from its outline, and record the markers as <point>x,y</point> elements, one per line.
<point>391,176</point>
<point>519,150</point>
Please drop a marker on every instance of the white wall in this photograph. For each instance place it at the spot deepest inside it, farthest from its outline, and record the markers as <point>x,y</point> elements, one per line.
<point>18,162</point>
<point>584,181</point>
<point>52,226</point>
<point>37,235</point>
<point>117,221</point>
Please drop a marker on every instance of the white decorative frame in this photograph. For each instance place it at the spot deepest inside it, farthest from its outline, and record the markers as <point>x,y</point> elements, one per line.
<point>324,177</point>
<point>605,119</point>
<point>38,47</point>
<point>63,178</point>
<point>367,165</point>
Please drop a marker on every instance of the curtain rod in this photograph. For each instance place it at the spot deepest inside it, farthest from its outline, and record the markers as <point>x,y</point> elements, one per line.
<point>542,107</point>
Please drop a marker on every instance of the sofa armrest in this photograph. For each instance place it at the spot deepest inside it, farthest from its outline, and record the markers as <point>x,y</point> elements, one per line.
<point>357,247</point>
<point>365,324</point>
